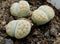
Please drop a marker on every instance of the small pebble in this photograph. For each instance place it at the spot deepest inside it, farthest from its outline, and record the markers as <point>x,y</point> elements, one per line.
<point>8,41</point>
<point>4,22</point>
<point>47,34</point>
<point>1,40</point>
<point>57,41</point>
<point>53,31</point>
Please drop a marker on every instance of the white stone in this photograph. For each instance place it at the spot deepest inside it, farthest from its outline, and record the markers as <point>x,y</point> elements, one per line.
<point>55,3</point>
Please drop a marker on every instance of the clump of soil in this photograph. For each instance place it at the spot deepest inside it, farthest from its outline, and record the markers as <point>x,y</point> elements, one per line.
<point>39,34</point>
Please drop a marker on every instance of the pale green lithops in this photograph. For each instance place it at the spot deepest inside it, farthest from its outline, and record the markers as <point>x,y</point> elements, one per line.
<point>18,28</point>
<point>42,15</point>
<point>21,9</point>
<point>15,9</point>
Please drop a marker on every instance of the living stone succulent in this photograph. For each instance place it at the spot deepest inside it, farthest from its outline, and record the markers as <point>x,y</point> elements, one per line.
<point>21,9</point>
<point>42,15</point>
<point>18,28</point>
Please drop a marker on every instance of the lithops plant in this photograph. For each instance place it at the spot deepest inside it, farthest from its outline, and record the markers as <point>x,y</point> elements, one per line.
<point>18,28</point>
<point>21,9</point>
<point>42,15</point>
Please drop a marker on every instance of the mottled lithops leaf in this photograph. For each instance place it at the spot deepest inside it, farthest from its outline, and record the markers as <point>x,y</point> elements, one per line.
<point>24,8</point>
<point>18,28</point>
<point>39,17</point>
<point>14,9</point>
<point>48,10</point>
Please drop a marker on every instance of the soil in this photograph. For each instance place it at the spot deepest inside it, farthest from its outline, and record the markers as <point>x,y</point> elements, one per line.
<point>44,34</point>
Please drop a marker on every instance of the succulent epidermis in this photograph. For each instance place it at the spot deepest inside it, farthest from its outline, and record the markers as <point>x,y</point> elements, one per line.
<point>39,17</point>
<point>23,29</point>
<point>48,10</point>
